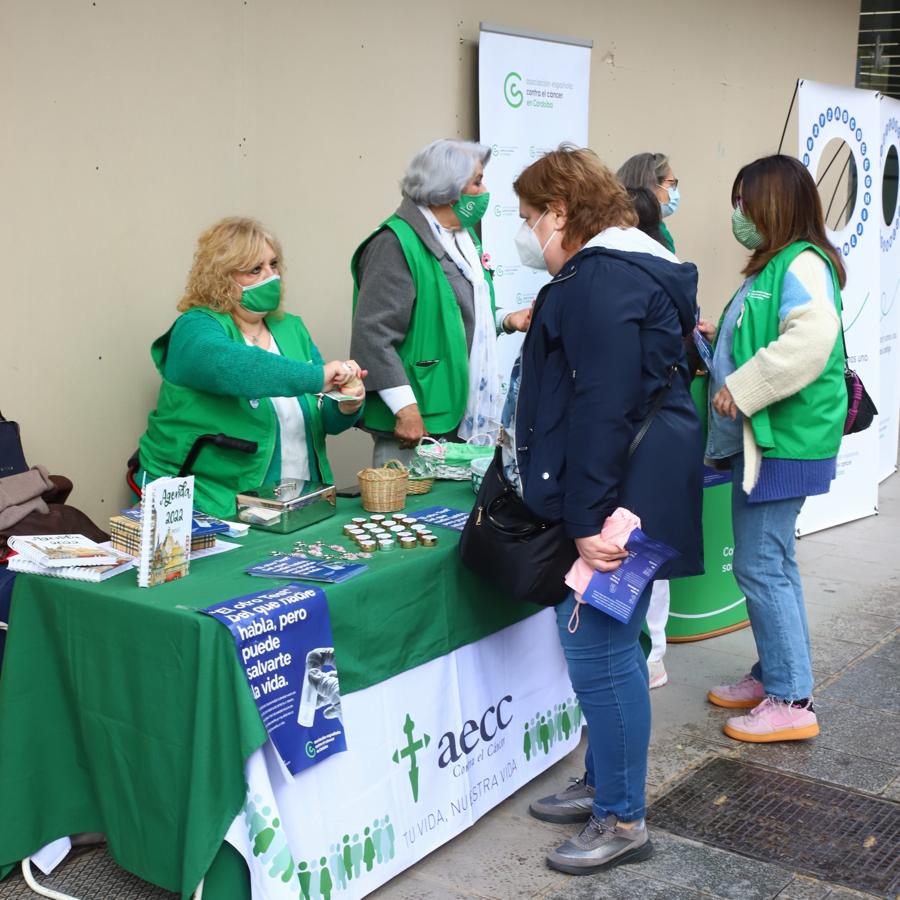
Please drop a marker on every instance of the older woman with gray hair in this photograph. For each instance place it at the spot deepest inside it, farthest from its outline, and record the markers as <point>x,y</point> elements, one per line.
<point>653,171</point>
<point>424,319</point>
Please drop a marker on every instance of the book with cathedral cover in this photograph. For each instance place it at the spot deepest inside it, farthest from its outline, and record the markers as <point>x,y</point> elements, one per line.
<point>167,507</point>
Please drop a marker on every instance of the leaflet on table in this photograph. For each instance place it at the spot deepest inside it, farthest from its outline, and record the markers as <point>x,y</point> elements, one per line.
<point>200,525</point>
<point>445,516</point>
<point>313,570</point>
<point>285,647</point>
<point>617,593</point>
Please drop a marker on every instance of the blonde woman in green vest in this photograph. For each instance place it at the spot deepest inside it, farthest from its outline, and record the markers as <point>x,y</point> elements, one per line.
<point>235,362</point>
<point>653,172</point>
<point>424,320</point>
<point>778,405</point>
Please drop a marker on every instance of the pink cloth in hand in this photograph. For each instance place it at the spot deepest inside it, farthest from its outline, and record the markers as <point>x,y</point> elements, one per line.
<point>616,529</point>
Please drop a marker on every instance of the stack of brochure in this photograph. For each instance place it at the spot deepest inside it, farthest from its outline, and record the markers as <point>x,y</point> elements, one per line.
<point>71,556</point>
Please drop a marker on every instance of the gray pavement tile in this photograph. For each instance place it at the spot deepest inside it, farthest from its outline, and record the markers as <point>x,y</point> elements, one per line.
<point>622,883</point>
<point>678,704</point>
<point>871,542</point>
<point>704,667</point>
<point>412,887</point>
<point>855,730</point>
<point>510,853</point>
<point>815,760</point>
<point>803,888</point>
<point>830,655</point>
<point>873,682</point>
<point>847,624</point>
<point>892,791</point>
<point>890,649</point>
<point>860,566</point>
<point>673,753</point>
<point>699,867</point>
<point>883,601</point>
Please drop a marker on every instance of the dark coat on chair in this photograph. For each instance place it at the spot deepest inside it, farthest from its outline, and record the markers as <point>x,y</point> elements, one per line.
<point>603,338</point>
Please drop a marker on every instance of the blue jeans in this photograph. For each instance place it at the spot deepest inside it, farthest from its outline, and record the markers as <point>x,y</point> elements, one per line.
<point>765,568</point>
<point>609,673</point>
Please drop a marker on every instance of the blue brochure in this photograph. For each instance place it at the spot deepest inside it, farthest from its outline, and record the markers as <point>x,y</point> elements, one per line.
<point>704,348</point>
<point>617,593</point>
<point>307,569</point>
<point>445,516</point>
<point>286,650</point>
<point>200,524</point>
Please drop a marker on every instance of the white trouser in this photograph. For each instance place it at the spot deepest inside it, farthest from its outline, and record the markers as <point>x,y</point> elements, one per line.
<point>657,616</point>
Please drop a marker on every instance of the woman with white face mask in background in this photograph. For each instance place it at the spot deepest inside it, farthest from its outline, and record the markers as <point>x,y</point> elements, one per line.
<point>653,171</point>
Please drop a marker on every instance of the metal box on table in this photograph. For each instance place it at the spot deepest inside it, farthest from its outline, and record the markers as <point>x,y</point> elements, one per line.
<point>287,505</point>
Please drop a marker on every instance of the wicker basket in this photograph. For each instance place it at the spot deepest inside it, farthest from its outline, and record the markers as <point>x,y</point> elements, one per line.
<point>420,485</point>
<point>384,489</point>
<point>434,452</point>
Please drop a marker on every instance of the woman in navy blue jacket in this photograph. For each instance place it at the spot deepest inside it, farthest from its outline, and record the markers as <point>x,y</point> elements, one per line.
<point>605,340</point>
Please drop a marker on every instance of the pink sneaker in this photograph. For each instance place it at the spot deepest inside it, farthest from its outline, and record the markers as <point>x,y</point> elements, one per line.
<point>746,694</point>
<point>773,720</point>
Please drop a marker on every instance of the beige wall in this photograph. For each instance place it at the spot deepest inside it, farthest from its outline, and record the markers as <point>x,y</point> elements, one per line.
<point>128,126</point>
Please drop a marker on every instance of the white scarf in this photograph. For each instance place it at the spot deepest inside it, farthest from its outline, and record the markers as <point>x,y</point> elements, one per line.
<point>484,403</point>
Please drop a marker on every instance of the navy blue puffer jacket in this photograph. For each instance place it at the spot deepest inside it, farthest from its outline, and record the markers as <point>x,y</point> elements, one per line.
<point>603,338</point>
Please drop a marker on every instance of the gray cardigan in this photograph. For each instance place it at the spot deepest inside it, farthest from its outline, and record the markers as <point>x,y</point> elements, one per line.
<point>386,296</point>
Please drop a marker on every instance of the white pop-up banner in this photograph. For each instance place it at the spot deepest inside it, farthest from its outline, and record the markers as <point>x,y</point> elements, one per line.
<point>827,112</point>
<point>889,392</point>
<point>532,96</point>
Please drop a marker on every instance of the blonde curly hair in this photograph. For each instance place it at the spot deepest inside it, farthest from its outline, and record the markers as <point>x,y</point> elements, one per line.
<point>235,244</point>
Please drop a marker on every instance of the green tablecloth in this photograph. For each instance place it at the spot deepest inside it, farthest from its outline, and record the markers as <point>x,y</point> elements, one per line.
<point>124,711</point>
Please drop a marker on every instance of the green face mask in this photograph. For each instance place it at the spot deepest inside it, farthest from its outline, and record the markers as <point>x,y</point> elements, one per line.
<point>470,208</point>
<point>745,231</point>
<point>263,297</point>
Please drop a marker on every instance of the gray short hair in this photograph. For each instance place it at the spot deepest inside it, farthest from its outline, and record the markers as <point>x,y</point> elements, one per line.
<point>644,170</point>
<point>438,173</point>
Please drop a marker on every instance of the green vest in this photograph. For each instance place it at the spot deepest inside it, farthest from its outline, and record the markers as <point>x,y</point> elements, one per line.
<point>810,423</point>
<point>667,236</point>
<point>435,332</point>
<point>183,413</point>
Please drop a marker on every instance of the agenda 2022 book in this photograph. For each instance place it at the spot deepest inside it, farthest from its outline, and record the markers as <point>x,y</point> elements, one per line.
<point>167,506</point>
<point>62,550</point>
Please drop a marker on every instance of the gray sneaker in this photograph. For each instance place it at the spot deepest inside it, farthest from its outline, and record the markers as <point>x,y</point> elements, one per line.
<point>601,845</point>
<point>574,804</point>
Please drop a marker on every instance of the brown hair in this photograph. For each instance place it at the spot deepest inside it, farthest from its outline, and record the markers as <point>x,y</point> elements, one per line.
<point>233,245</point>
<point>593,196</point>
<point>780,197</point>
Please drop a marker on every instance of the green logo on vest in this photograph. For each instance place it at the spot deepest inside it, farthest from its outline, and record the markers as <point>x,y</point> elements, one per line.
<point>413,746</point>
<point>512,93</point>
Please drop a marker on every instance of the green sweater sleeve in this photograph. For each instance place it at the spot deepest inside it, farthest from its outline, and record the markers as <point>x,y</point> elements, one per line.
<point>201,356</point>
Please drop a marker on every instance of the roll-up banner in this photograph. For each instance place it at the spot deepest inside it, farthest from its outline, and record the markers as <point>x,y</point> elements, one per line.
<point>889,405</point>
<point>829,115</point>
<point>532,96</point>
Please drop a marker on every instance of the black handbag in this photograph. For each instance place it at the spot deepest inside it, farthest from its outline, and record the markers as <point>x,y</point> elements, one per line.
<point>505,544</point>
<point>861,410</point>
<point>12,457</point>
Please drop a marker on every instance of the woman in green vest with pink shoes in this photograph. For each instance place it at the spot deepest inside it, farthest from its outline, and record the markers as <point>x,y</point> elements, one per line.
<point>235,362</point>
<point>778,405</point>
<point>424,320</point>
